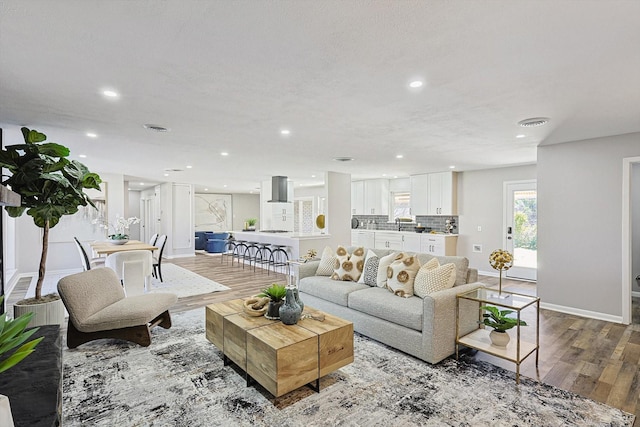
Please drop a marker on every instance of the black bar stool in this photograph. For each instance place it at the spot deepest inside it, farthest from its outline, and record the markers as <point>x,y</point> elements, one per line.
<point>238,251</point>
<point>263,256</point>
<point>227,250</point>
<point>249,253</point>
<point>279,257</point>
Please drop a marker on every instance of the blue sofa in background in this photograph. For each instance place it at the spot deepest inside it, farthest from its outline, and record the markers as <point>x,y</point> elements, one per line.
<point>215,242</point>
<point>201,240</point>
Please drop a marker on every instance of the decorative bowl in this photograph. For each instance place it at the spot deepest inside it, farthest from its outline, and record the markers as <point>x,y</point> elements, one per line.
<point>118,241</point>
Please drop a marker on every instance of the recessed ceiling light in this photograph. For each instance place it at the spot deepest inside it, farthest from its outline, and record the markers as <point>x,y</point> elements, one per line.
<point>343,159</point>
<point>189,166</point>
<point>285,132</point>
<point>533,122</point>
<point>416,84</point>
<point>384,174</point>
<point>92,135</point>
<point>142,183</point>
<point>399,156</point>
<point>155,128</point>
<point>313,176</point>
<point>224,153</point>
<point>166,174</point>
<point>82,156</point>
<point>110,93</point>
<point>225,186</point>
<point>395,176</point>
<point>452,167</point>
<point>520,135</point>
<point>206,189</point>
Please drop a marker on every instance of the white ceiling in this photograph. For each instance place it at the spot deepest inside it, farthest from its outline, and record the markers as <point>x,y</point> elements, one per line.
<point>228,75</point>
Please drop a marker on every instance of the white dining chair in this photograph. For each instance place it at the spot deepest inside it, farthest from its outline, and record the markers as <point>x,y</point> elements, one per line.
<point>133,268</point>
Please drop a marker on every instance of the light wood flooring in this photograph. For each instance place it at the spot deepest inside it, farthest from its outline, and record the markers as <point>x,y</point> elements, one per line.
<point>593,358</point>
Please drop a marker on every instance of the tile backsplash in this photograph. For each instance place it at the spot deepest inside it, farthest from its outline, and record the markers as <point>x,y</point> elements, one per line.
<point>381,222</point>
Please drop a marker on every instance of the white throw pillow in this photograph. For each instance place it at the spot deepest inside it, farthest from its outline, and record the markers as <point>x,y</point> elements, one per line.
<point>385,262</point>
<point>433,277</point>
<point>401,274</point>
<point>327,261</point>
<point>348,267</point>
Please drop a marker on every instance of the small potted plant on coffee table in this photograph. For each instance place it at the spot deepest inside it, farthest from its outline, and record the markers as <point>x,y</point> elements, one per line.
<point>276,294</point>
<point>500,321</point>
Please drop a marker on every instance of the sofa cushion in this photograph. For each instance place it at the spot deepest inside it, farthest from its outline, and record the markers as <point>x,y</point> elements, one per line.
<point>348,267</point>
<point>461,263</point>
<point>385,262</point>
<point>433,277</point>
<point>329,290</point>
<point>327,260</point>
<point>370,273</point>
<point>401,274</point>
<point>380,303</point>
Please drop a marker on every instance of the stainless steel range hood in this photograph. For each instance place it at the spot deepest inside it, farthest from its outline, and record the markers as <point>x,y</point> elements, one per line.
<point>278,189</point>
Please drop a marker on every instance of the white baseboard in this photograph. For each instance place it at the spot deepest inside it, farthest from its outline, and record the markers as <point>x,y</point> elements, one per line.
<point>179,256</point>
<point>582,313</point>
<point>488,273</point>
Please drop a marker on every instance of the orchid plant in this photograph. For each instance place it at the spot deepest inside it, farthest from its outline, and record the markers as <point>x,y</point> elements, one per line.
<point>120,227</point>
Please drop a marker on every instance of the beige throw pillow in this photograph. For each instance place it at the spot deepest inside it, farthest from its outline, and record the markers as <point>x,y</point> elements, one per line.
<point>385,262</point>
<point>432,278</point>
<point>327,260</point>
<point>401,274</point>
<point>348,267</point>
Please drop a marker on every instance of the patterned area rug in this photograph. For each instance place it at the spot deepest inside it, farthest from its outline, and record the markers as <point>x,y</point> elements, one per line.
<point>180,380</point>
<point>183,282</point>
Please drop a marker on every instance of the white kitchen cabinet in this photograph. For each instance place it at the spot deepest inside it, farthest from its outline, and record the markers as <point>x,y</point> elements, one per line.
<point>438,244</point>
<point>376,197</point>
<point>357,198</point>
<point>282,216</point>
<point>442,190</point>
<point>411,242</point>
<point>419,194</point>
<point>363,238</point>
<point>388,240</point>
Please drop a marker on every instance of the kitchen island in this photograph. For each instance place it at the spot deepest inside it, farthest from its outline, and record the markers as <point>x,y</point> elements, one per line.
<point>298,243</point>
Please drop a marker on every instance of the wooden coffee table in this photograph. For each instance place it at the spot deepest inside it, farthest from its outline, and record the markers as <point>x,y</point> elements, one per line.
<point>280,357</point>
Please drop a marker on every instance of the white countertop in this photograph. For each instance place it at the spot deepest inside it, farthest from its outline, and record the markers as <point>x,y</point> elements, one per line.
<point>290,234</point>
<point>438,233</point>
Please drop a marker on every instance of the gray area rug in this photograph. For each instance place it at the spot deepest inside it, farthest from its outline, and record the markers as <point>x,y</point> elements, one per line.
<point>180,380</point>
<point>184,283</point>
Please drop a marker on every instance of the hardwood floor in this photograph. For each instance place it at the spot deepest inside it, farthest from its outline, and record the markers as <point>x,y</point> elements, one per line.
<point>592,358</point>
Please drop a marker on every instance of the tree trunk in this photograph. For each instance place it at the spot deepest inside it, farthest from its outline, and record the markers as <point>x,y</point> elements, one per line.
<point>43,260</point>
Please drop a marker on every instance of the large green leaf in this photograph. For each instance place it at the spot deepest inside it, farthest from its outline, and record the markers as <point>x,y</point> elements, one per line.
<point>19,354</point>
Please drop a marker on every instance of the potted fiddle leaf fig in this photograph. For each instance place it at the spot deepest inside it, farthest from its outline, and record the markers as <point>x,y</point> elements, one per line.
<point>500,321</point>
<point>50,186</point>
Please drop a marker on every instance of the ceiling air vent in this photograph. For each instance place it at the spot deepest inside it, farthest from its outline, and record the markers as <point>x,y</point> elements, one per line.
<point>343,159</point>
<point>533,122</point>
<point>156,128</point>
<point>173,170</point>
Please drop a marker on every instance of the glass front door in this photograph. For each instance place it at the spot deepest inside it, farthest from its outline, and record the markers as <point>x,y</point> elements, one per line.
<point>521,229</point>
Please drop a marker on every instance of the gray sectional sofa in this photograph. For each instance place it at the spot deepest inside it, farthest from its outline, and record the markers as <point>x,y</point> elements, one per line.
<point>424,328</point>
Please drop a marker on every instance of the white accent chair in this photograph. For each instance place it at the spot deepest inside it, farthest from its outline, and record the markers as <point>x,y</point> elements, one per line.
<point>88,263</point>
<point>134,269</point>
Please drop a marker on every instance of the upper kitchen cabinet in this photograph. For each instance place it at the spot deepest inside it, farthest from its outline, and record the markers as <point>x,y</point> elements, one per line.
<point>434,194</point>
<point>376,197</point>
<point>443,193</point>
<point>357,198</point>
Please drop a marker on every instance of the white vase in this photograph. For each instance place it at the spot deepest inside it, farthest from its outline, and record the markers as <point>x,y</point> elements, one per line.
<point>46,313</point>
<point>118,241</point>
<point>6,419</point>
<point>499,339</point>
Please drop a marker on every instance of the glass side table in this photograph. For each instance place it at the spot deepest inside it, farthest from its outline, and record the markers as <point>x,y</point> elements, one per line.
<point>517,349</point>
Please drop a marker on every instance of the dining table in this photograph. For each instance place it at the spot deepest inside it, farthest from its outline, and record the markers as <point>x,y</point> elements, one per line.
<point>102,248</point>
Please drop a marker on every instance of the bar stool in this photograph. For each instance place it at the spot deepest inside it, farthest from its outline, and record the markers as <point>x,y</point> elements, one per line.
<point>279,257</point>
<point>238,251</point>
<point>263,256</point>
<point>227,250</point>
<point>248,256</point>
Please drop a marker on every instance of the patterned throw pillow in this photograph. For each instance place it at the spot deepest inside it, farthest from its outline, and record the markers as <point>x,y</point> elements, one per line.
<point>432,278</point>
<point>401,274</point>
<point>385,261</point>
<point>370,274</point>
<point>327,261</point>
<point>348,267</point>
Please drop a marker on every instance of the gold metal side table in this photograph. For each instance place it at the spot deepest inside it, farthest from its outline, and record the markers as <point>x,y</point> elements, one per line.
<point>517,349</point>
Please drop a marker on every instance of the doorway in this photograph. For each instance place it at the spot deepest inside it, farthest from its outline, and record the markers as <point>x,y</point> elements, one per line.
<point>521,228</point>
<point>631,240</point>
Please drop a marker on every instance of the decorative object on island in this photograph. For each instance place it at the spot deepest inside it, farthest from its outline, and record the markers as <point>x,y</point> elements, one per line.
<point>500,260</point>
<point>320,222</point>
<point>500,321</point>
<point>250,224</point>
<point>311,254</point>
<point>449,225</point>
<point>120,228</point>
<point>276,294</point>
<point>290,311</point>
<point>256,306</point>
<point>50,186</point>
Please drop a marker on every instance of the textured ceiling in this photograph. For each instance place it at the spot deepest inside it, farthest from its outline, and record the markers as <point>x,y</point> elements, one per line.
<point>228,75</point>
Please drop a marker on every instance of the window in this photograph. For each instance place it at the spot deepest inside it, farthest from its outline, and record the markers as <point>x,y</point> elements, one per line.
<point>400,205</point>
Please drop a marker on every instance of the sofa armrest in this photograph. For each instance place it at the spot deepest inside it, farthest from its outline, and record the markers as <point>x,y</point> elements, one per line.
<point>472,275</point>
<point>308,269</point>
<point>439,327</point>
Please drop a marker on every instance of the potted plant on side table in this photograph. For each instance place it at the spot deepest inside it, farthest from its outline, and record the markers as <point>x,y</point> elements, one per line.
<point>50,186</point>
<point>276,294</point>
<point>500,321</point>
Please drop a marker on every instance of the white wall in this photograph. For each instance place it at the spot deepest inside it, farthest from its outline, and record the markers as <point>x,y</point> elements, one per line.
<point>338,214</point>
<point>635,224</point>
<point>245,206</point>
<point>134,210</point>
<point>480,204</point>
<point>579,224</point>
